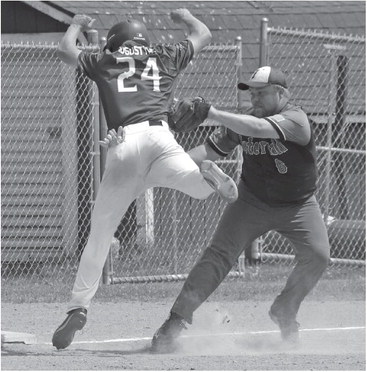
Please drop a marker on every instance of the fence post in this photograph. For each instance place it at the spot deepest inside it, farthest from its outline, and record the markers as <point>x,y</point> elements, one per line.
<point>98,154</point>
<point>102,119</point>
<point>238,62</point>
<point>101,133</point>
<point>92,36</point>
<point>254,251</point>
<point>263,57</point>
<point>239,72</point>
<point>238,42</point>
<point>175,221</point>
<point>331,116</point>
<point>339,133</point>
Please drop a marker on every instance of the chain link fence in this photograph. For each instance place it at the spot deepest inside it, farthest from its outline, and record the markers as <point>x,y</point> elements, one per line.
<point>46,169</point>
<point>326,75</point>
<point>51,161</point>
<point>51,167</point>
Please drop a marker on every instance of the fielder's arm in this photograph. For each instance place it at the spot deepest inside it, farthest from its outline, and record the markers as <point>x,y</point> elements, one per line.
<point>199,33</point>
<point>67,50</point>
<point>246,125</point>
<point>203,152</point>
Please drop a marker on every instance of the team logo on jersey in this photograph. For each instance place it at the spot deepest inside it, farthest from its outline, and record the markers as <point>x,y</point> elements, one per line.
<point>274,147</point>
<point>282,168</point>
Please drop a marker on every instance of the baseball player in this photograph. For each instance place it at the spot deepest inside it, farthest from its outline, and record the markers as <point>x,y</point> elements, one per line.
<point>135,82</point>
<point>276,192</point>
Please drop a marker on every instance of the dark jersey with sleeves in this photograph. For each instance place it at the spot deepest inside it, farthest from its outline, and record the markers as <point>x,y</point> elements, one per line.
<point>277,171</point>
<point>135,82</point>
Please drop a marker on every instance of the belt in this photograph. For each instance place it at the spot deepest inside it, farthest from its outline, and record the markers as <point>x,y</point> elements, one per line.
<point>147,123</point>
<point>155,122</point>
<point>137,127</point>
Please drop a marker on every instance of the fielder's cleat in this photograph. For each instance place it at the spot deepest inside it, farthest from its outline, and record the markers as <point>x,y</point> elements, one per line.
<point>64,334</point>
<point>288,328</point>
<point>165,339</point>
<point>219,181</point>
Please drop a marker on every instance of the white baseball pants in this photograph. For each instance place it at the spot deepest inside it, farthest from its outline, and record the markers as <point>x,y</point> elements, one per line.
<point>149,157</point>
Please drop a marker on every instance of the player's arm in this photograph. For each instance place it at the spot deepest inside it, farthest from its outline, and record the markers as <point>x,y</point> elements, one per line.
<point>67,50</point>
<point>218,145</point>
<point>246,125</point>
<point>199,33</point>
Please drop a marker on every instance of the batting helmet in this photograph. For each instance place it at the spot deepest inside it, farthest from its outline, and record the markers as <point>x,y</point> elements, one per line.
<point>127,30</point>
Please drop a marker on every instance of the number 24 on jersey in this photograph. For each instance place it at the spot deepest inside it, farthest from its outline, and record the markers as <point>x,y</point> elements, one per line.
<point>150,72</point>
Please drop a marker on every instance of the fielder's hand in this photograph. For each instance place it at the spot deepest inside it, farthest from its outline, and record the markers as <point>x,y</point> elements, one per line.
<point>83,20</point>
<point>113,138</point>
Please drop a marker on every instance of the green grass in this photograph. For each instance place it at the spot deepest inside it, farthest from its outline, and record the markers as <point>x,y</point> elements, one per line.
<point>346,283</point>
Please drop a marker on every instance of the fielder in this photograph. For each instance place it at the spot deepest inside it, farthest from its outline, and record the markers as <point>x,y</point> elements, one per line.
<point>135,83</point>
<point>276,192</point>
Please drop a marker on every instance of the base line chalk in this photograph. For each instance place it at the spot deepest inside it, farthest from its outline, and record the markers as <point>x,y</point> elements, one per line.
<point>136,339</point>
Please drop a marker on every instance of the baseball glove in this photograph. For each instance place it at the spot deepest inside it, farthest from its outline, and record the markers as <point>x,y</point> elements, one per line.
<point>187,114</point>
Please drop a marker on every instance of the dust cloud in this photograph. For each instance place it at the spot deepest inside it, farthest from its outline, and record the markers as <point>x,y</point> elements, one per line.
<point>216,333</point>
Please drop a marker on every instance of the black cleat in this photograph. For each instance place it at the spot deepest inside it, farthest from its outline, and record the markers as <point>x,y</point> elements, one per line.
<point>165,339</point>
<point>64,334</point>
<point>288,327</point>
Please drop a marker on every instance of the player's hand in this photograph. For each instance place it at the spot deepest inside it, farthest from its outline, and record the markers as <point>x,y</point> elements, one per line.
<point>113,139</point>
<point>84,21</point>
<point>180,14</point>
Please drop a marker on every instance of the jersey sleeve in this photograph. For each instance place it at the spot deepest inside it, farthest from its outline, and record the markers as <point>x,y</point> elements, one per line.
<point>175,57</point>
<point>87,63</point>
<point>292,125</point>
<point>184,54</point>
<point>223,141</point>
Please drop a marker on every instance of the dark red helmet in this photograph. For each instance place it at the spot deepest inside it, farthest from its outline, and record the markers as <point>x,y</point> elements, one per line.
<point>127,30</point>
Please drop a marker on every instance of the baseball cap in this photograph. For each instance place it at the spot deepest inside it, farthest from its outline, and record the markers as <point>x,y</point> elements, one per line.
<point>264,76</point>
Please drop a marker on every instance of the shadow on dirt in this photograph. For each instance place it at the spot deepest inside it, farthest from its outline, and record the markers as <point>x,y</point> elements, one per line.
<point>119,352</point>
<point>21,353</point>
<point>5,352</point>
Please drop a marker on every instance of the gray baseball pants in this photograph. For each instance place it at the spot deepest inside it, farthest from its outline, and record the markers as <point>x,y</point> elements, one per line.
<point>241,223</point>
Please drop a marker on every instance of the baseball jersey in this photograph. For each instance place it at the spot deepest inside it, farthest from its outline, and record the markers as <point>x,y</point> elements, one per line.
<point>135,82</point>
<point>277,171</point>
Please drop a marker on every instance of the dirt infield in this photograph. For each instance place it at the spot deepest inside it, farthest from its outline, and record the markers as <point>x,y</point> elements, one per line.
<point>117,337</point>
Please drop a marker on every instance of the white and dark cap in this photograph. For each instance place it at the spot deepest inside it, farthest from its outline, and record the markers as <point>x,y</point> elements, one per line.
<point>264,76</point>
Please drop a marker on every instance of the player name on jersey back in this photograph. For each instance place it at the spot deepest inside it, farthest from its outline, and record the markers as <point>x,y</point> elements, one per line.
<point>136,50</point>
